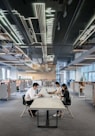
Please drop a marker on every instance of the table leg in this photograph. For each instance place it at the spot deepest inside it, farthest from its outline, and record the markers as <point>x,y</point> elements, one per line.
<point>47,121</point>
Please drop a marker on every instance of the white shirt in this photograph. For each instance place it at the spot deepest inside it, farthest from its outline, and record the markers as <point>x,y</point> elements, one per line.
<point>31,94</point>
<point>58,90</point>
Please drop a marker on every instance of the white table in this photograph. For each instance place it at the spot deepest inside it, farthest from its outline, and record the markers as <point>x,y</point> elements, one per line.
<point>47,104</point>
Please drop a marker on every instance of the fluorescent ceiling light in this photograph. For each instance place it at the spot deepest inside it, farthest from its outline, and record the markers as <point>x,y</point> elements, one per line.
<point>82,64</point>
<point>8,60</point>
<point>30,71</point>
<point>65,13</point>
<point>58,28</point>
<point>50,23</point>
<point>24,46</point>
<point>50,10</point>
<point>89,58</point>
<point>18,64</point>
<point>88,31</point>
<point>2,53</point>
<point>79,50</point>
<point>51,15</point>
<point>14,32</point>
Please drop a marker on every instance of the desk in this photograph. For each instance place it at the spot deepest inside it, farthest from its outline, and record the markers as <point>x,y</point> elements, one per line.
<point>47,104</point>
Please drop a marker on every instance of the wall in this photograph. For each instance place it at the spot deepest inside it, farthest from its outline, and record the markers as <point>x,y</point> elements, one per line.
<point>39,76</point>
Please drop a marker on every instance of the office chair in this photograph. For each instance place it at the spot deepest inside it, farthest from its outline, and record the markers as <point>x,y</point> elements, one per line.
<point>26,107</point>
<point>67,107</point>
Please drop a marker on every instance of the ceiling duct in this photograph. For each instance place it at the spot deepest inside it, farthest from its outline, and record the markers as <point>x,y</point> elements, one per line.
<point>39,9</point>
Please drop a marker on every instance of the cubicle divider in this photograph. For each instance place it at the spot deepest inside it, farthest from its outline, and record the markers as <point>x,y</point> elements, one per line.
<point>84,89</point>
<point>13,87</point>
<point>3,91</point>
<point>9,87</point>
<point>76,88</point>
<point>88,91</point>
<point>22,84</point>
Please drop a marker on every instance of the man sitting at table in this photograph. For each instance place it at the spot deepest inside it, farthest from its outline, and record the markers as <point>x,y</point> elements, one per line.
<point>31,95</point>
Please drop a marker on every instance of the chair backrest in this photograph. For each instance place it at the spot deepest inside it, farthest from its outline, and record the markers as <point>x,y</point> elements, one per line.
<point>23,100</point>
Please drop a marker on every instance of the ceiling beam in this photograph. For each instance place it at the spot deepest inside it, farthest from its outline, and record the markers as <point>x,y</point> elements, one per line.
<point>8,7</point>
<point>82,57</point>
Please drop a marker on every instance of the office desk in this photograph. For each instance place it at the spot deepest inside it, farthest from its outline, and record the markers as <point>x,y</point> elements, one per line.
<point>47,104</point>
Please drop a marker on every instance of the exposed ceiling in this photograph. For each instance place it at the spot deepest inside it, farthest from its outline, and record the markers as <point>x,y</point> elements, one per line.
<point>41,32</point>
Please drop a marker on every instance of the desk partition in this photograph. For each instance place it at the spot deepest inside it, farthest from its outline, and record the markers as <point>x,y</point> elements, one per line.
<point>3,91</point>
<point>13,87</point>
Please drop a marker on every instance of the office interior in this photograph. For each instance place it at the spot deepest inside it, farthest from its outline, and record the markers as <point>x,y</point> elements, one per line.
<point>45,41</point>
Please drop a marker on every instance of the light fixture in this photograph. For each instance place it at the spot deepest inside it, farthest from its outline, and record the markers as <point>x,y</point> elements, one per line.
<point>90,58</point>
<point>69,2</point>
<point>15,34</point>
<point>24,46</point>
<point>65,12</point>
<point>86,33</point>
<point>50,10</point>
<point>30,71</point>
<point>50,23</point>
<point>51,15</point>
<point>18,64</point>
<point>58,27</point>
<point>8,60</point>
<point>82,64</point>
<point>79,50</point>
<point>2,53</point>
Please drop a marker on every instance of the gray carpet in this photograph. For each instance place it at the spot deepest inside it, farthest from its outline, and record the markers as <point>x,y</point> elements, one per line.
<point>11,124</point>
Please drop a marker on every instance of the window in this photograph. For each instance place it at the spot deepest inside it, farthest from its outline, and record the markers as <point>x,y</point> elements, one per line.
<point>3,73</point>
<point>8,73</point>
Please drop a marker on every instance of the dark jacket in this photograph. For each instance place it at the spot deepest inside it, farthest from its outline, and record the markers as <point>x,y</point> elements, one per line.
<point>67,99</point>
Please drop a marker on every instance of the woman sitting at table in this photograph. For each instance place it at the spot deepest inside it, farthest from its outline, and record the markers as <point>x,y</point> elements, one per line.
<point>65,95</point>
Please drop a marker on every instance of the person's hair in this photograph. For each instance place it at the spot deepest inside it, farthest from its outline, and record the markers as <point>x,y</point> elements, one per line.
<point>57,83</point>
<point>35,84</point>
<point>65,86</point>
